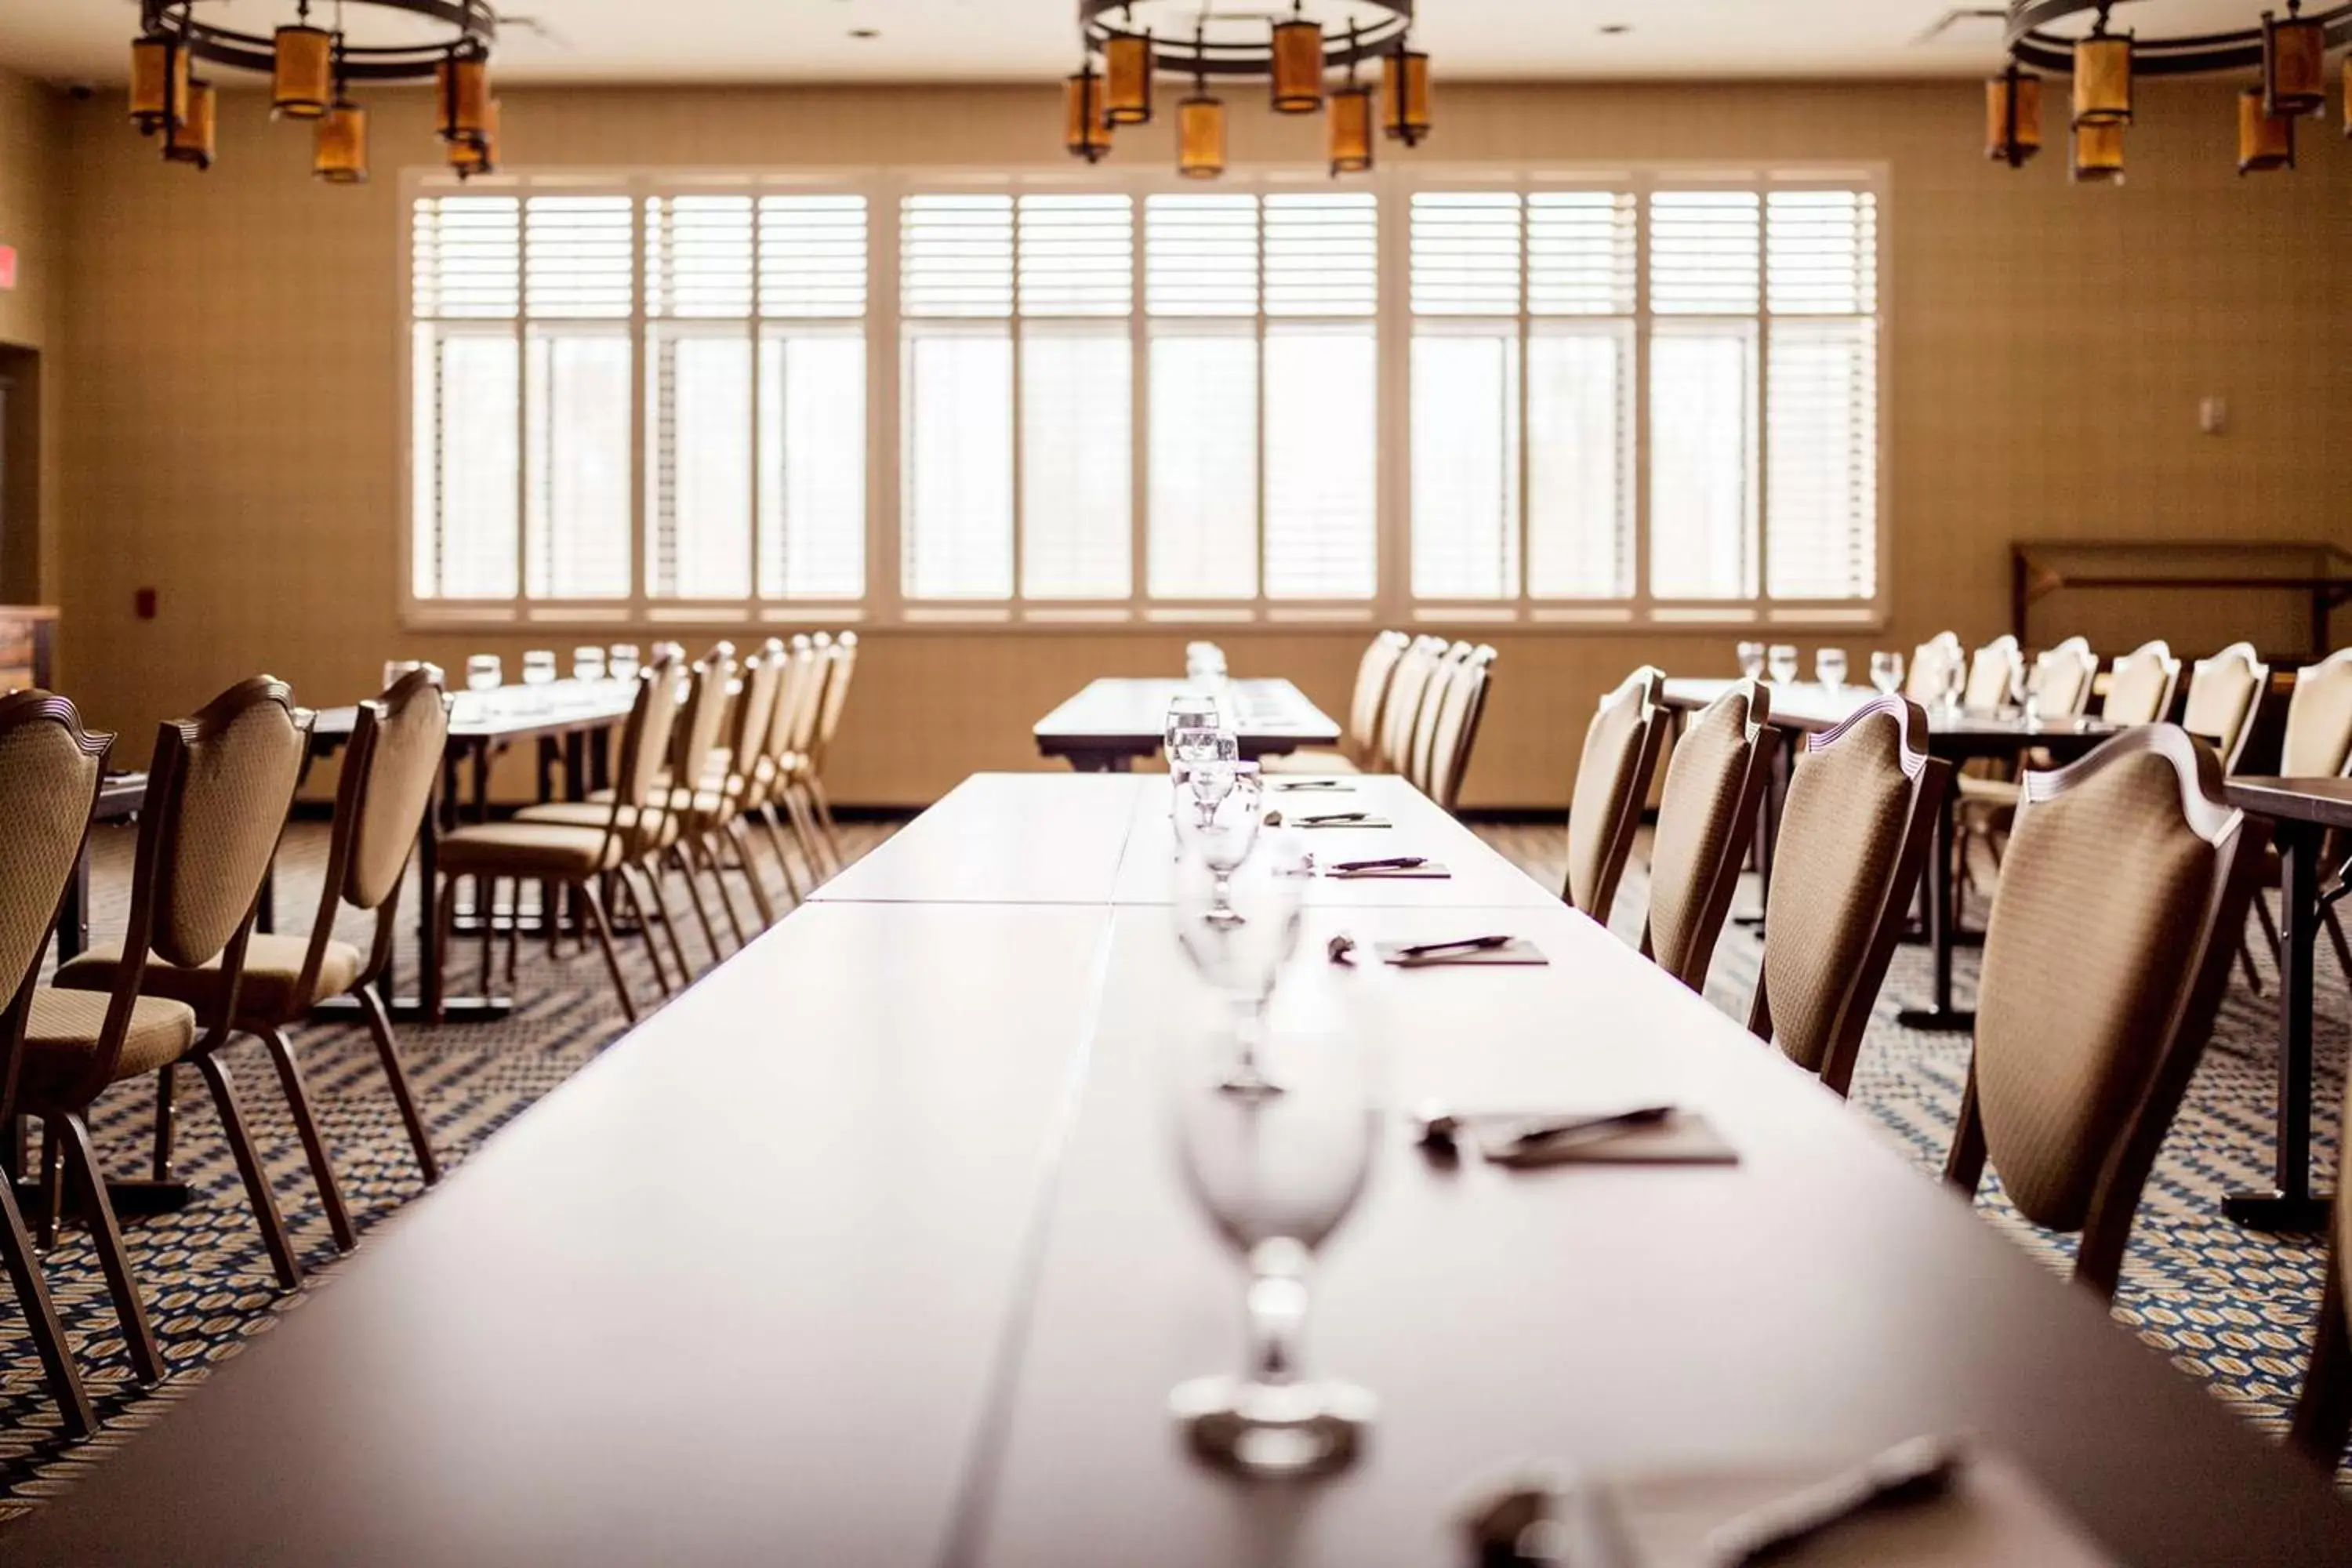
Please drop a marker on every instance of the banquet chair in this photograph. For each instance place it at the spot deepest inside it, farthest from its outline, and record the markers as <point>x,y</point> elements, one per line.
<point>843,666</point>
<point>50,774</point>
<point>584,857</point>
<point>386,786</point>
<point>1461,709</point>
<point>799,684</point>
<point>2317,745</point>
<point>2224,691</point>
<point>1706,816</point>
<point>1932,663</point>
<point>814,653</point>
<point>1612,783</point>
<point>1420,752</point>
<point>1400,712</point>
<point>714,814</point>
<point>218,789</point>
<point>2323,1416</point>
<point>1855,832</point>
<point>2140,686</point>
<point>1356,747</point>
<point>2104,964</point>
<point>1992,671</point>
<point>2059,685</point>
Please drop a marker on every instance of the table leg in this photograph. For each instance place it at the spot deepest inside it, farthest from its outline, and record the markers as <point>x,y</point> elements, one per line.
<point>1100,762</point>
<point>1941,892</point>
<point>2291,1204</point>
<point>1768,805</point>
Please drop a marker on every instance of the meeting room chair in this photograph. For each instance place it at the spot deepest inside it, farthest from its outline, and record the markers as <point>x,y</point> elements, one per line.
<point>1613,785</point>
<point>1401,714</point>
<point>50,772</point>
<point>2059,683</point>
<point>814,653</point>
<point>2224,694</point>
<point>1992,673</point>
<point>714,816</point>
<point>840,668</point>
<point>770,798</point>
<point>2124,890</point>
<point>2317,745</point>
<point>1706,816</point>
<point>1417,763</point>
<point>1932,663</point>
<point>1359,746</point>
<point>2141,686</point>
<point>1856,829</point>
<point>386,786</point>
<point>582,858</point>
<point>218,789</point>
<point>1461,709</point>
<point>2322,1415</point>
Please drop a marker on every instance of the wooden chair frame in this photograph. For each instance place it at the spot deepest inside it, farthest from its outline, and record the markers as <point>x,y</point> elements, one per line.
<point>1375,672</point>
<point>1447,773</point>
<point>1646,687</point>
<point>16,1252</point>
<point>1929,778</point>
<point>1722,879</point>
<point>2237,839</point>
<point>2155,648</point>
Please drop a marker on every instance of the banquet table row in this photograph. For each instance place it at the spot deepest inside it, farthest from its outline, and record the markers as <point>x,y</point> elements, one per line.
<point>872,1247</point>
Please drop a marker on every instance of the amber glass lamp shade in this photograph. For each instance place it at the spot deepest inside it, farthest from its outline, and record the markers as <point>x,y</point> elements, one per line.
<point>464,84</point>
<point>159,85</point>
<point>1084,131</point>
<point>2266,140</point>
<point>2013,117</point>
<point>339,146</point>
<point>2103,80</point>
<point>2098,154</point>
<point>1351,131</point>
<point>192,143</point>
<point>1404,96</point>
<point>1126,80</point>
<point>480,155</point>
<point>2294,66</point>
<point>1200,137</point>
<point>302,79</point>
<point>1297,67</point>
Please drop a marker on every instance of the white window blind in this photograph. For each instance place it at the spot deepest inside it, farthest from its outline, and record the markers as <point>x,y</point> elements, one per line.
<point>1077,273</point>
<point>1322,396</point>
<point>1201,275</point>
<point>1706,254</point>
<point>1821,393</point>
<point>956,283</point>
<point>812,397</point>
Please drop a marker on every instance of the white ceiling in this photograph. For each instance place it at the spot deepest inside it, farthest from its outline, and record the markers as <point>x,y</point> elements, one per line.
<point>1016,40</point>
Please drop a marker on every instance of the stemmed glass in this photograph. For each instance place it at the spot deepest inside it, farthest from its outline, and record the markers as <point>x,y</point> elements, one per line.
<point>1829,667</point>
<point>1189,712</point>
<point>1751,660</point>
<point>1239,926</point>
<point>1276,1174</point>
<point>623,663</point>
<point>588,662</point>
<point>1887,672</point>
<point>483,672</point>
<point>1228,809</point>
<point>1781,662</point>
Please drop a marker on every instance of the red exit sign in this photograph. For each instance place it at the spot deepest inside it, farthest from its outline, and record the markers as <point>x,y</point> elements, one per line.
<point>8,266</point>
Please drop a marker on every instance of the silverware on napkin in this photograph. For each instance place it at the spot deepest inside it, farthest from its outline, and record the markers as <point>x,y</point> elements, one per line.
<point>1916,1470</point>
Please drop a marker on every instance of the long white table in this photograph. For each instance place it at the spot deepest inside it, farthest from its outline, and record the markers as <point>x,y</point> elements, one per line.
<point>871,1249</point>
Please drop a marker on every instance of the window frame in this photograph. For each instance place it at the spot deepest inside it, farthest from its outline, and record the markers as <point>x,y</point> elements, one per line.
<point>883,602</point>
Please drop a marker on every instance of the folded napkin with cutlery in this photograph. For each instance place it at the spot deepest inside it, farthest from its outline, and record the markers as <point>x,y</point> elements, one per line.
<point>1468,949</point>
<point>1410,867</point>
<point>1315,786</point>
<point>1341,819</point>
<point>1663,1136</point>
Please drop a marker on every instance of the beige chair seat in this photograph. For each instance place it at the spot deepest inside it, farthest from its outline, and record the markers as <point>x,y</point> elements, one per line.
<point>62,1029</point>
<point>590,813</point>
<point>1308,760</point>
<point>529,850</point>
<point>1995,792</point>
<point>272,964</point>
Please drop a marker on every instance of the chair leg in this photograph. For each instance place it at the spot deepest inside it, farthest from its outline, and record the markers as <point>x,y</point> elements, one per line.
<point>595,905</point>
<point>775,828</point>
<point>2246,963</point>
<point>2323,1416</point>
<point>714,857</point>
<point>805,830</point>
<point>654,878</point>
<point>2262,913</point>
<point>485,909</point>
<point>682,857</point>
<point>106,1238</point>
<point>444,919</point>
<point>741,838</point>
<point>314,1144</point>
<point>166,1115</point>
<point>32,1289</point>
<point>248,1165</point>
<point>395,1071</point>
<point>825,820</point>
<point>638,909</point>
<point>2336,937</point>
<point>53,1186</point>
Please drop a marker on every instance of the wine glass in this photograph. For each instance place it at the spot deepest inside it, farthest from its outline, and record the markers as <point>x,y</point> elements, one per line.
<point>1780,661</point>
<point>1829,667</point>
<point>623,663</point>
<point>588,662</point>
<point>1228,809</point>
<point>1276,1174</point>
<point>1189,711</point>
<point>1887,672</point>
<point>1751,660</point>
<point>1204,663</point>
<point>1239,926</point>
<point>539,667</point>
<point>484,673</point>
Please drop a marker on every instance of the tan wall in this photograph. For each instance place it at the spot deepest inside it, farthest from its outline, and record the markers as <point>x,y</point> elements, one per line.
<point>30,125</point>
<point>231,435</point>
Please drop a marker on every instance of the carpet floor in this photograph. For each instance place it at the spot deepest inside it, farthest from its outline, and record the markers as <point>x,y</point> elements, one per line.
<point>2229,1306</point>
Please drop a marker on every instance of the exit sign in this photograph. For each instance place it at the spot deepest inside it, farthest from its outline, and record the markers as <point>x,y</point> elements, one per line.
<point>8,266</point>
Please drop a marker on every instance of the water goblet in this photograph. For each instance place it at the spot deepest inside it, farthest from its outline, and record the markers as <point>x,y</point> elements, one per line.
<point>1829,667</point>
<point>484,673</point>
<point>1239,926</point>
<point>1751,660</point>
<point>1887,672</point>
<point>539,667</point>
<point>1276,1174</point>
<point>622,662</point>
<point>1780,663</point>
<point>1228,809</point>
<point>1189,711</point>
<point>588,662</point>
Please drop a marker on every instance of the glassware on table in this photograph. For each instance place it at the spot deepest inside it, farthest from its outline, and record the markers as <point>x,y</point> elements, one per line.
<point>588,662</point>
<point>622,662</point>
<point>1227,808</point>
<point>539,667</point>
<point>1956,684</point>
<point>1238,922</point>
<point>484,673</point>
<point>1204,662</point>
<point>1829,667</point>
<point>1190,712</point>
<point>1780,663</point>
<point>1887,672</point>
<point>1276,1174</point>
<point>1751,660</point>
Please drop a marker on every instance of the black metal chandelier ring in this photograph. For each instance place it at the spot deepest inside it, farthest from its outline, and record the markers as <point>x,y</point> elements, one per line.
<point>1198,55</point>
<point>2185,55</point>
<point>475,26</point>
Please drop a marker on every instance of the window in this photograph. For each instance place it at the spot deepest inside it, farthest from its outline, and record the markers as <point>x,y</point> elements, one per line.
<point>1116,398</point>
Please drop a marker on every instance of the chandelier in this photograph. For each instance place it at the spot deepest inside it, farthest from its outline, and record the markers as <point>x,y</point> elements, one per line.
<point>2287,52</point>
<point>1296,54</point>
<point>312,70</point>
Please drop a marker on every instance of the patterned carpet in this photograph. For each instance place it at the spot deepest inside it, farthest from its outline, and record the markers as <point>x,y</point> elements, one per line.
<point>2231,1308</point>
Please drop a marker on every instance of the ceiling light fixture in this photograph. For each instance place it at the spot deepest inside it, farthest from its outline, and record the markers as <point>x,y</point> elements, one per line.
<point>2288,51</point>
<point>1295,54</point>
<point>310,69</point>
